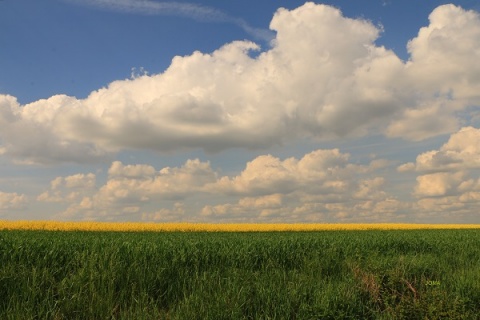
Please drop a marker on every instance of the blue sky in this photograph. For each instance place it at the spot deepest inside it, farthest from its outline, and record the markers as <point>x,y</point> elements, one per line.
<point>240,111</point>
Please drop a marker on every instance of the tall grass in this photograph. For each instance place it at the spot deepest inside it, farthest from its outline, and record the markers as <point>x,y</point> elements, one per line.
<point>415,274</point>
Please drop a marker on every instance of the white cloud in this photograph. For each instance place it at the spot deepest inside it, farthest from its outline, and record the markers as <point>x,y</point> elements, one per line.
<point>34,133</point>
<point>129,189</point>
<point>443,74</point>
<point>438,184</point>
<point>448,183</point>
<point>450,208</point>
<point>445,53</point>
<point>324,77</point>
<point>136,183</point>
<point>319,171</point>
<point>322,185</point>
<point>451,169</point>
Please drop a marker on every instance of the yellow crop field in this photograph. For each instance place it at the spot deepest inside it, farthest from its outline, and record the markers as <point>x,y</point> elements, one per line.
<point>221,227</point>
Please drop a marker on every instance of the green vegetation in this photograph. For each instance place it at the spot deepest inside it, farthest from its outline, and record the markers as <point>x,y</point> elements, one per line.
<point>414,274</point>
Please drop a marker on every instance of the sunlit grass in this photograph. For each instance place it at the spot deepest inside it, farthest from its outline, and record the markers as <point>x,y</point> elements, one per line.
<point>220,227</point>
<point>411,274</point>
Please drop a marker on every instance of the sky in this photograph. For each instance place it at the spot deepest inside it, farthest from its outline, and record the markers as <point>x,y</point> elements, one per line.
<point>362,111</point>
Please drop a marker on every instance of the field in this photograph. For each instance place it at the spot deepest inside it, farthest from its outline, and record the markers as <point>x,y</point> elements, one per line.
<point>354,274</point>
<point>213,227</point>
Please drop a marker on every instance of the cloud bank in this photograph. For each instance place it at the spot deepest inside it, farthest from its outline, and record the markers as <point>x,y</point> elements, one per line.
<point>323,78</point>
<point>448,180</point>
<point>321,185</point>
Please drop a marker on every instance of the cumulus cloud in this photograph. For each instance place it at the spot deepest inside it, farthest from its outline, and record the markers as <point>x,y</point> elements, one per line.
<point>448,183</point>
<point>438,184</point>
<point>323,77</point>
<point>136,183</point>
<point>460,202</point>
<point>32,133</point>
<point>128,189</point>
<point>444,54</point>
<point>443,72</point>
<point>460,152</point>
<point>318,171</point>
<point>323,185</point>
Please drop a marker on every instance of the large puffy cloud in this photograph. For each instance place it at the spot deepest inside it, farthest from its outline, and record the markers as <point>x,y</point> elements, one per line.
<point>324,77</point>
<point>32,133</point>
<point>444,74</point>
<point>444,55</point>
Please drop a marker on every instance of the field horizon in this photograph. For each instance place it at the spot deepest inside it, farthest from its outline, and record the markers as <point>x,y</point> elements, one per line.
<point>215,227</point>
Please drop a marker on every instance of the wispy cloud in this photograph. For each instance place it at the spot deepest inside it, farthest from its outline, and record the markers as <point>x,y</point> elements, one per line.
<point>189,10</point>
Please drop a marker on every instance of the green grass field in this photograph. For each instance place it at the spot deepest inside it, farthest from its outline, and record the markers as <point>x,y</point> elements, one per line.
<point>409,274</point>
